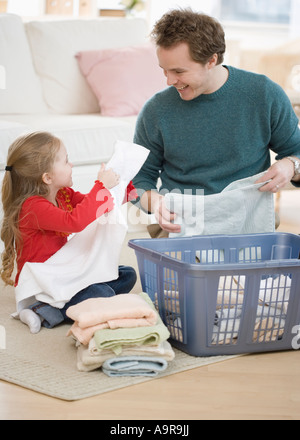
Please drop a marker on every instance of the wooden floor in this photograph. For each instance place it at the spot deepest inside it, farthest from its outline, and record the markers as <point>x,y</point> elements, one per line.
<point>261,386</point>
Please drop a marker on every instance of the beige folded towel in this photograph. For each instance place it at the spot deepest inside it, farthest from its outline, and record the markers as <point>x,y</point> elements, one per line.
<point>116,311</point>
<point>89,358</point>
<point>121,311</point>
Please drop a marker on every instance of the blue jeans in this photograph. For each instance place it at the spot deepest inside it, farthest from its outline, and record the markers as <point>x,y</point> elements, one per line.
<point>52,316</point>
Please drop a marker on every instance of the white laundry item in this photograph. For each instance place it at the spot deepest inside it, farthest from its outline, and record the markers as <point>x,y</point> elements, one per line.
<point>276,291</point>
<point>92,255</point>
<point>228,313</point>
<point>239,209</point>
<point>227,331</point>
<point>273,291</point>
<point>227,323</point>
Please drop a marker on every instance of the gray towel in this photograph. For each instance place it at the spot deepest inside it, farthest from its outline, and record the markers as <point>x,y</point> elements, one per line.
<point>239,209</point>
<point>134,366</point>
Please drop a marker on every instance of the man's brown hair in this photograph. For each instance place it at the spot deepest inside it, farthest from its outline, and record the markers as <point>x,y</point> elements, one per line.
<point>203,34</point>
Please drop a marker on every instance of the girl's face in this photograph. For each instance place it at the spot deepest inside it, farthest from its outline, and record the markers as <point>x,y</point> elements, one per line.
<point>61,173</point>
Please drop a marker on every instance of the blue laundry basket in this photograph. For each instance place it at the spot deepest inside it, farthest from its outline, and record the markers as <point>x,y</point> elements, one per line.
<point>222,295</point>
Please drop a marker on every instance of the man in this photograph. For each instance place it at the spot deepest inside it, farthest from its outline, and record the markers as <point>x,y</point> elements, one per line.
<point>215,124</point>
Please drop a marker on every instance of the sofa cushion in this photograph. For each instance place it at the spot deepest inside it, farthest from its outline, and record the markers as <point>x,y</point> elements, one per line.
<point>54,45</point>
<point>9,131</point>
<point>122,79</point>
<point>22,92</point>
<point>89,139</point>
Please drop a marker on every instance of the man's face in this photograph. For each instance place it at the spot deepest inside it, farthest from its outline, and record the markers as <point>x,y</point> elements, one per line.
<point>190,78</point>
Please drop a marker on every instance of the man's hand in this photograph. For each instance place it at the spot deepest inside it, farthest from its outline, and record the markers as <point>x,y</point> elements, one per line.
<point>154,202</point>
<point>280,174</point>
<point>164,217</point>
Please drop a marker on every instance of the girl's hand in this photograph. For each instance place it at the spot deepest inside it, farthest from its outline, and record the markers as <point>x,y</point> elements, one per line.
<point>108,177</point>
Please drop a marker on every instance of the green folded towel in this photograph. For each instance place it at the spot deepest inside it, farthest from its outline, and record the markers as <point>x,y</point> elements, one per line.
<point>116,338</point>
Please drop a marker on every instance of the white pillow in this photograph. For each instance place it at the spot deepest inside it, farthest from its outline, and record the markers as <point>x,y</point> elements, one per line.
<point>22,92</point>
<point>54,45</point>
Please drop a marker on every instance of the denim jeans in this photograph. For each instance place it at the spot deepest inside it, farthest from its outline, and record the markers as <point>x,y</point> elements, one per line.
<point>52,316</point>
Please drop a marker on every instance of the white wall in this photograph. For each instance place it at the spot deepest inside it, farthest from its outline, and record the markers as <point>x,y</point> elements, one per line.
<point>26,8</point>
<point>251,35</point>
<point>295,24</point>
<point>157,8</point>
<point>35,8</point>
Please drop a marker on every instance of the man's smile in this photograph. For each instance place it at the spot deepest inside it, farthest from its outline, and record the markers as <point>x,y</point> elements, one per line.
<point>180,89</point>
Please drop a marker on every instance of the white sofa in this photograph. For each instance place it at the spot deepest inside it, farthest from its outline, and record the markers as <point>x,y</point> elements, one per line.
<point>45,89</point>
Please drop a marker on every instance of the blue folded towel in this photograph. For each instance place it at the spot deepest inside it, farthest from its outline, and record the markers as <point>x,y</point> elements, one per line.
<point>134,366</point>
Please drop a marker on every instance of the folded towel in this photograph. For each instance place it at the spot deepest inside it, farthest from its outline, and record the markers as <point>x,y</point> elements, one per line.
<point>134,366</point>
<point>84,335</point>
<point>89,358</point>
<point>125,310</point>
<point>115,339</point>
<point>120,311</point>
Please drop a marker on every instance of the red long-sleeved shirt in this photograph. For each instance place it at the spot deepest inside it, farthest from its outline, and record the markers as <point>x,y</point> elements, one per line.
<point>44,227</point>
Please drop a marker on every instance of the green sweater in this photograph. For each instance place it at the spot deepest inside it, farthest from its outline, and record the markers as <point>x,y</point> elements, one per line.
<point>215,139</point>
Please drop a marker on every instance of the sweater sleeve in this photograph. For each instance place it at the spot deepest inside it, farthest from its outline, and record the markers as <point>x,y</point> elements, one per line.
<point>285,138</point>
<point>38,213</point>
<point>148,134</point>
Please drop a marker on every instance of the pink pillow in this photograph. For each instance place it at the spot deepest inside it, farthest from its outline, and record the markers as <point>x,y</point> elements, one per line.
<point>122,79</point>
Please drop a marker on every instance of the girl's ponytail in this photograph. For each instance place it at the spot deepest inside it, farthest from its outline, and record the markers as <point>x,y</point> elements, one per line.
<point>7,232</point>
<point>29,157</point>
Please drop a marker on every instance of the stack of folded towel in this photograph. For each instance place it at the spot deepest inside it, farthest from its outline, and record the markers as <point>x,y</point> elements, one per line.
<point>123,334</point>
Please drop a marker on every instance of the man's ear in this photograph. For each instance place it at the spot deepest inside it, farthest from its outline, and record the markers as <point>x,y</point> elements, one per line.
<point>213,61</point>
<point>46,178</point>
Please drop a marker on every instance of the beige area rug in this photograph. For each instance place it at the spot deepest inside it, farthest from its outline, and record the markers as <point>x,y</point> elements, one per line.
<point>46,362</point>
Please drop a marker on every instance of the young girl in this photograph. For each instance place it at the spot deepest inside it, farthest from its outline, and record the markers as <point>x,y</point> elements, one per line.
<point>41,210</point>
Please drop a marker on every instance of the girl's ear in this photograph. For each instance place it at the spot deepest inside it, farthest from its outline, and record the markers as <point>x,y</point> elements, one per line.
<point>46,178</point>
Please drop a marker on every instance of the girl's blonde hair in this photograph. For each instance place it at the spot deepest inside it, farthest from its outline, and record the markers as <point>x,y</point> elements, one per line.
<point>29,157</point>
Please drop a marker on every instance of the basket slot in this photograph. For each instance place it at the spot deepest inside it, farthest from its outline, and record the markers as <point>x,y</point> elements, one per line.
<point>229,307</point>
<point>271,312</point>
<point>272,308</point>
<point>210,256</point>
<point>150,278</point>
<point>174,254</point>
<point>172,306</point>
<point>250,254</point>
<point>167,302</point>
